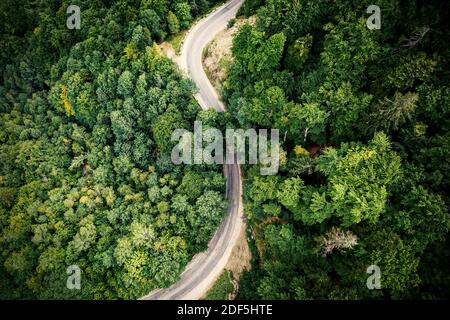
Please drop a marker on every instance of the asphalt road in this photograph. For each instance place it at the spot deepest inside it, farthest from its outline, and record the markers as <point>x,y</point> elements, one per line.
<point>195,42</point>
<point>204,269</point>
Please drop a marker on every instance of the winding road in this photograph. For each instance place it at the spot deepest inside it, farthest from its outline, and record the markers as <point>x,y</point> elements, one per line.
<point>204,269</point>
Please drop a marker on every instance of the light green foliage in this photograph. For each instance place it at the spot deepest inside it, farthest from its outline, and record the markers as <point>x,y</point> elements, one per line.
<point>263,189</point>
<point>173,23</point>
<point>290,192</point>
<point>359,178</point>
<point>85,236</point>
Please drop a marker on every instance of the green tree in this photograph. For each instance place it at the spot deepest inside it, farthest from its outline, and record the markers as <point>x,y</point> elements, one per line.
<point>359,178</point>
<point>183,14</point>
<point>173,23</point>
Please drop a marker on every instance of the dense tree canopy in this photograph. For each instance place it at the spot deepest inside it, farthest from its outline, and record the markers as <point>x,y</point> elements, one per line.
<point>86,177</point>
<point>365,120</point>
<point>85,171</point>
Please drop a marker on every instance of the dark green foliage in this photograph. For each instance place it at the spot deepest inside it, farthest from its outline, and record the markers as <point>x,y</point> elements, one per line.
<point>365,120</point>
<point>85,178</point>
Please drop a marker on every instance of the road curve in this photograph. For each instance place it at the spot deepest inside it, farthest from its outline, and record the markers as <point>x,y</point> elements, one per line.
<point>194,44</point>
<point>205,267</point>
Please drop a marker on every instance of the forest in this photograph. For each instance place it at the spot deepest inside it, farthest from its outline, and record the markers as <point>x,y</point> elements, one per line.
<point>86,177</point>
<point>364,175</point>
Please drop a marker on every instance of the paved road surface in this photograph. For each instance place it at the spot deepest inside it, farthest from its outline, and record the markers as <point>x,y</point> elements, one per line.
<point>203,270</point>
<point>191,55</point>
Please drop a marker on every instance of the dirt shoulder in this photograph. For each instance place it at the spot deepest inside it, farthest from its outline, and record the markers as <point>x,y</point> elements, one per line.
<point>240,260</point>
<point>217,56</point>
